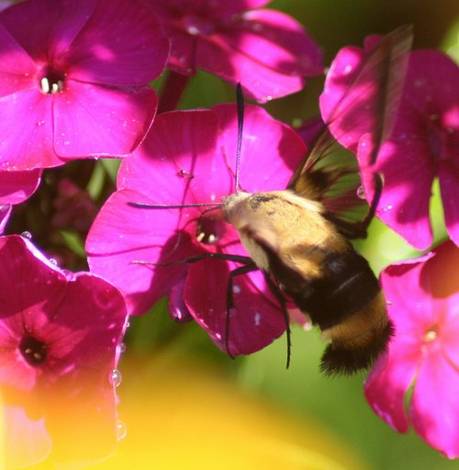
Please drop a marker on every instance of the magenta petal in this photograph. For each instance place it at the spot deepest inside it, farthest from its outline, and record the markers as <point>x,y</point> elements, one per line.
<point>16,68</point>
<point>33,283</point>
<point>94,120</point>
<point>26,132</point>
<point>435,407</point>
<point>277,41</point>
<point>389,381</point>
<point>101,315</point>
<point>54,32</point>
<point>404,202</point>
<point>5,212</point>
<point>122,236</point>
<point>259,81</point>
<point>121,45</point>
<point>179,161</point>
<point>256,320</point>
<point>17,186</point>
<point>266,143</point>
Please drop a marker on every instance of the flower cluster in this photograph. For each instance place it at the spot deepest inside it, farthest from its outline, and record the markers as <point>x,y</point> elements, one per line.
<point>76,85</point>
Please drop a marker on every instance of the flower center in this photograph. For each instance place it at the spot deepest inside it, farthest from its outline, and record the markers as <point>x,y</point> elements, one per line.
<point>33,350</point>
<point>51,81</point>
<point>198,25</point>
<point>430,335</point>
<point>210,228</point>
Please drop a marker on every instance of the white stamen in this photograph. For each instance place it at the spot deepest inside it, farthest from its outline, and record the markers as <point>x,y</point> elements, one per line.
<point>44,85</point>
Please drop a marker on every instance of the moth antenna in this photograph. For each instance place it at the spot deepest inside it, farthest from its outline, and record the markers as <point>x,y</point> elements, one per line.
<point>240,128</point>
<point>145,205</point>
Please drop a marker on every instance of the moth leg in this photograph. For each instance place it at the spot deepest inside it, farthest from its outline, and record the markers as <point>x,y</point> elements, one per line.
<point>353,230</point>
<point>195,259</point>
<point>247,268</point>
<point>281,299</point>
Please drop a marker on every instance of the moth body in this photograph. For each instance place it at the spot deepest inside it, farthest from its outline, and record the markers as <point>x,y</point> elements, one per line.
<point>290,238</point>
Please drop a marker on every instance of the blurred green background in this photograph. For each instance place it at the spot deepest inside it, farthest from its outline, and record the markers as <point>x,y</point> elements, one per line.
<point>336,404</point>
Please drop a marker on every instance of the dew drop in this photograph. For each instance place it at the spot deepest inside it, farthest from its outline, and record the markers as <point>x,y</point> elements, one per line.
<point>27,235</point>
<point>116,378</point>
<point>268,98</point>
<point>347,69</point>
<point>53,261</point>
<point>40,123</point>
<point>387,208</point>
<point>361,192</point>
<point>122,348</point>
<point>121,431</point>
<point>236,289</point>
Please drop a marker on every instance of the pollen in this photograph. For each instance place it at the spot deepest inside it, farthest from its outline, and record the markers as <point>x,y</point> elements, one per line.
<point>430,335</point>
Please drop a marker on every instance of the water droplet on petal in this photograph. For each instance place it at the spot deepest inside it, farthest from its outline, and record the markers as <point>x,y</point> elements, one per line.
<point>27,235</point>
<point>268,98</point>
<point>53,261</point>
<point>116,378</point>
<point>122,348</point>
<point>361,192</point>
<point>387,208</point>
<point>121,431</point>
<point>347,69</point>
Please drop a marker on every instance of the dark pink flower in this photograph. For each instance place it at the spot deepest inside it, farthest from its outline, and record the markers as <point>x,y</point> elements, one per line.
<point>423,356</point>
<point>59,334</point>
<point>423,144</point>
<point>267,51</point>
<point>15,187</point>
<point>75,83</point>
<point>189,157</point>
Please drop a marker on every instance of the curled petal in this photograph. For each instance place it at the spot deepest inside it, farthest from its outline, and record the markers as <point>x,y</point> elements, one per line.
<point>17,186</point>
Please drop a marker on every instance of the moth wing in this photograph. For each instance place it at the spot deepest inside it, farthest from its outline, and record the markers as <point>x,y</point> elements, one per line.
<point>329,173</point>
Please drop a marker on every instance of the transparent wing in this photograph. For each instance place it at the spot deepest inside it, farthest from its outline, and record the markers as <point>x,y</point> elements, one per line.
<point>330,173</point>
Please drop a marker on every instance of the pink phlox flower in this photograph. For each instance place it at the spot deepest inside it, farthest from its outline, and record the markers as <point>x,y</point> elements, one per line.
<point>75,82</point>
<point>15,187</point>
<point>423,144</point>
<point>59,338</point>
<point>265,50</point>
<point>189,157</point>
<point>423,356</point>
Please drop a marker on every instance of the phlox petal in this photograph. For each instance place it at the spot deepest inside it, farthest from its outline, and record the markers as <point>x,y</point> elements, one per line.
<point>266,143</point>
<point>261,82</point>
<point>17,186</point>
<point>435,408</point>
<point>179,161</point>
<point>120,45</point>
<point>79,113</point>
<point>407,182</point>
<point>27,133</point>
<point>388,383</point>
<point>277,41</point>
<point>125,244</point>
<point>16,67</point>
<point>255,320</point>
